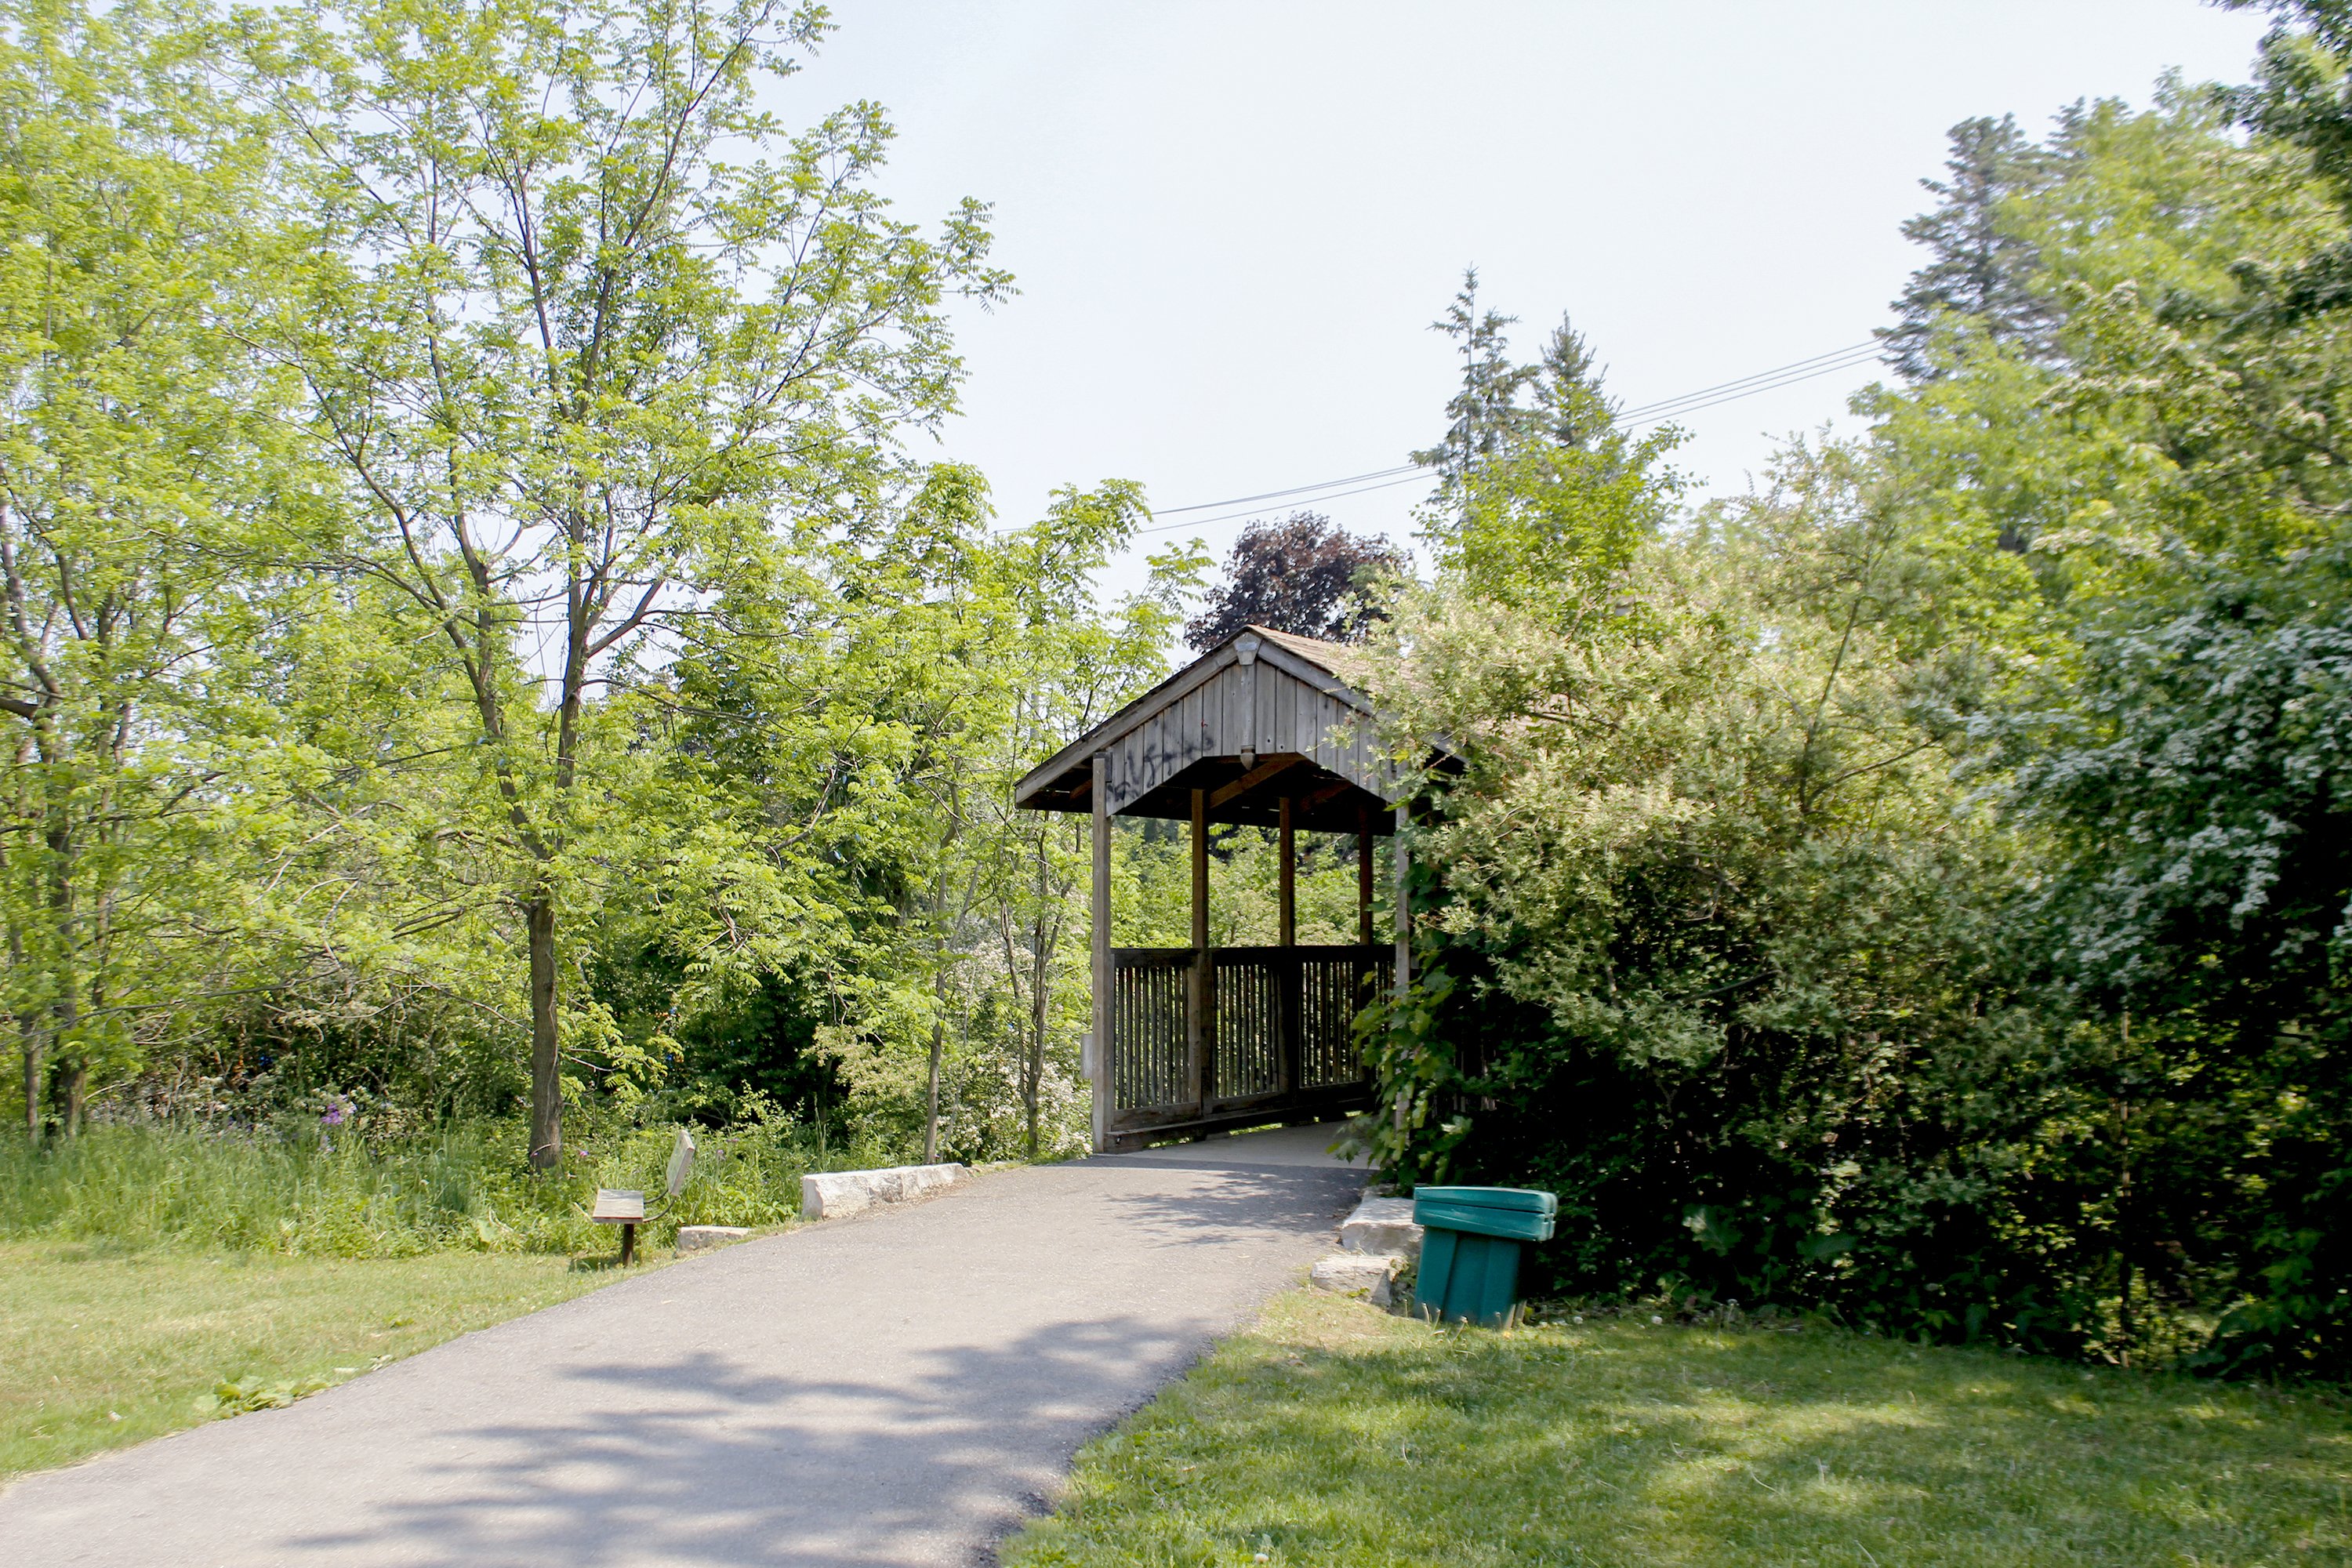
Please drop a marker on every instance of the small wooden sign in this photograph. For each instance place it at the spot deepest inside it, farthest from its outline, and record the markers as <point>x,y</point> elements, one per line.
<point>617,1205</point>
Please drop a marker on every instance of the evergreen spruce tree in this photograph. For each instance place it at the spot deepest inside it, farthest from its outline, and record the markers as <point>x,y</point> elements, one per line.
<point>1486,414</point>
<point>1980,268</point>
<point>1576,411</point>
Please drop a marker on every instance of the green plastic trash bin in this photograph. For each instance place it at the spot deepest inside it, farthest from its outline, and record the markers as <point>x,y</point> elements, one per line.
<point>1470,1245</point>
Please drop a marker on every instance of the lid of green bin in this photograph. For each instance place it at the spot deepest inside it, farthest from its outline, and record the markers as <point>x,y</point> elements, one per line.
<point>1519,1199</point>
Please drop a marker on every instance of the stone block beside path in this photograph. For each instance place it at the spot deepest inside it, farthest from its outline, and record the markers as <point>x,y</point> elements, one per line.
<point>1382,1225</point>
<point>837,1195</point>
<point>1357,1273</point>
<point>695,1237</point>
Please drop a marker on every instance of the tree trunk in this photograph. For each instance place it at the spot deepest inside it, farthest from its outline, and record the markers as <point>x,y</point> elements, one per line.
<point>931,1106</point>
<point>69,1078</point>
<point>29,1031</point>
<point>1034,1074</point>
<point>938,997</point>
<point>2124,1200</point>
<point>546,1075</point>
<point>73,1079</point>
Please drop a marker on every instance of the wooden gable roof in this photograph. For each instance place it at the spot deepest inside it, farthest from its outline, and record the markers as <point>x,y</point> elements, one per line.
<point>1262,716</point>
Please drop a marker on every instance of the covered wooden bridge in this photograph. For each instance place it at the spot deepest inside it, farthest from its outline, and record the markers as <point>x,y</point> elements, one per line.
<point>1264,728</point>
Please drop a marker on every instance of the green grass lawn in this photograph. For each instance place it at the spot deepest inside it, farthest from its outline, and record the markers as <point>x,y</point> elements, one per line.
<point>100,1348</point>
<point>1335,1434</point>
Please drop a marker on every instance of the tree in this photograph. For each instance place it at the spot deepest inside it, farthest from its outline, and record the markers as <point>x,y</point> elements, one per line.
<point>1837,906</point>
<point>1499,407</point>
<point>2296,94</point>
<point>859,743</point>
<point>2182,756</point>
<point>1542,494</point>
<point>1485,416</point>
<point>1065,673</point>
<point>1302,574</point>
<point>139,443</point>
<point>1577,413</point>
<point>2297,98</point>
<point>1699,923</point>
<point>1981,270</point>
<point>592,339</point>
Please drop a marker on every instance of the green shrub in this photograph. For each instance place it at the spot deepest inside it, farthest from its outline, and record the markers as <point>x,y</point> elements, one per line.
<point>1767,997</point>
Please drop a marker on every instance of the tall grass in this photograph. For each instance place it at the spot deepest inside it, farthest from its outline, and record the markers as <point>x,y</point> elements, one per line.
<point>463,1187</point>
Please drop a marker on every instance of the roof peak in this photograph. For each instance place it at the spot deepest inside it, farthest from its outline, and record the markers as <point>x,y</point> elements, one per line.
<point>1319,648</point>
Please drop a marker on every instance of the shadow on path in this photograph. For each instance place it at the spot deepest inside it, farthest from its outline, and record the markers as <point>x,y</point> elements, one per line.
<point>901,1388</point>
<point>707,1460</point>
<point>1248,1200</point>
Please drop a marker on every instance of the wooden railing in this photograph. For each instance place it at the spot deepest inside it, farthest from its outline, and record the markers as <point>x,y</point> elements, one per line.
<point>1150,1052</point>
<point>1274,1034</point>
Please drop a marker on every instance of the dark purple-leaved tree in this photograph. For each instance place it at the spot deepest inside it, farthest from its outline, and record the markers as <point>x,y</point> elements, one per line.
<point>1302,574</point>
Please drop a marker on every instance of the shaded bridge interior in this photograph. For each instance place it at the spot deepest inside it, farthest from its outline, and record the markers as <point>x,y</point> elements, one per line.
<point>1250,793</point>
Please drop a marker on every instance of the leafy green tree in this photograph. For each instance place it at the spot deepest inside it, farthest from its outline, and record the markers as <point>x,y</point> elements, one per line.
<point>2296,97</point>
<point>863,738</point>
<point>2179,755</point>
<point>134,234</point>
<point>1064,670</point>
<point>1916,888</point>
<point>592,337</point>
<point>2163,201</point>
<point>1700,920</point>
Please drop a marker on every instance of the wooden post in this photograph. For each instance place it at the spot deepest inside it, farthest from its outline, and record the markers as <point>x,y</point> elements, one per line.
<point>1100,1068</point>
<point>1286,985</point>
<point>1404,933</point>
<point>1287,879</point>
<point>1199,994</point>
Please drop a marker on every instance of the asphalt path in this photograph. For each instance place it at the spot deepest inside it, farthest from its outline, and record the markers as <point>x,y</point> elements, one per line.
<point>901,1387</point>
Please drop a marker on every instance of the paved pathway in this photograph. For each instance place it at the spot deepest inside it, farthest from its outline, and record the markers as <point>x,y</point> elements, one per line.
<point>902,1387</point>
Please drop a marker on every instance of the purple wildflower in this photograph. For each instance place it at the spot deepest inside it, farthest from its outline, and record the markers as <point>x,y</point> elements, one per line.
<point>333,1115</point>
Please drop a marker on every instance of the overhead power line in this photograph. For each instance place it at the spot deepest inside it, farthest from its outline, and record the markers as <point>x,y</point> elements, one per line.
<point>1763,381</point>
<point>1295,490</point>
<point>1851,357</point>
<point>1412,472</point>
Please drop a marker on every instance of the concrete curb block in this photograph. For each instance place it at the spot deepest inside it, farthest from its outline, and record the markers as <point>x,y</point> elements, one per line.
<point>695,1237</point>
<point>837,1195</point>
<point>1357,1273</point>
<point>1382,1225</point>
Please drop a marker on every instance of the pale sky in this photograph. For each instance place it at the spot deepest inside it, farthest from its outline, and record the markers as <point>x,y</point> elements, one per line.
<point>1232,224</point>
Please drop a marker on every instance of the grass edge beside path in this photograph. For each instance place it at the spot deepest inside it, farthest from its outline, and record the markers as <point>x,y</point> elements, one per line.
<point>100,1347</point>
<point>1333,1433</point>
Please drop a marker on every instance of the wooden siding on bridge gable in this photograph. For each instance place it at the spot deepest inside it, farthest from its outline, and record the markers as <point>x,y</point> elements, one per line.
<point>1256,707</point>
